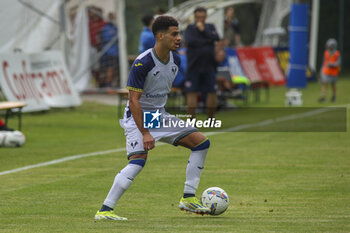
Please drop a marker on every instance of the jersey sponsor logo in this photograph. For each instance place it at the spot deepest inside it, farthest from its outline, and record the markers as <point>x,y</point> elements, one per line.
<point>138,64</point>
<point>151,119</point>
<point>156,95</point>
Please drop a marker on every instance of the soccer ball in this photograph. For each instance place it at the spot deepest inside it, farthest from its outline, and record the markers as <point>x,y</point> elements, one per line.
<point>216,199</point>
<point>11,139</point>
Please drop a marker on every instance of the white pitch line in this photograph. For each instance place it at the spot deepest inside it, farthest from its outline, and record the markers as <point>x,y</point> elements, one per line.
<point>275,120</point>
<point>233,129</point>
<point>65,159</point>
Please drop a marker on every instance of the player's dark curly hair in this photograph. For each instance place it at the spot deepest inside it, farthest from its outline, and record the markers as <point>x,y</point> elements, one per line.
<point>162,23</point>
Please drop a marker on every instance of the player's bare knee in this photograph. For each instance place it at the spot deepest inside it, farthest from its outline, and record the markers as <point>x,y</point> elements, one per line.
<point>205,144</point>
<point>192,140</point>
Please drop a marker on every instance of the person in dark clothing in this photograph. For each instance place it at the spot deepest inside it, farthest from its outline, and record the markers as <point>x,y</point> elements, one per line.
<point>232,36</point>
<point>181,74</point>
<point>110,60</point>
<point>200,39</point>
<point>147,39</point>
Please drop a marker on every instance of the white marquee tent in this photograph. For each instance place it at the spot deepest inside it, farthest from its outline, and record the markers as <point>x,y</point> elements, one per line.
<point>38,25</point>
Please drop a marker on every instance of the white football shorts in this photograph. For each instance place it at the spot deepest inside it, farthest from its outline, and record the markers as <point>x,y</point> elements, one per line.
<point>171,135</point>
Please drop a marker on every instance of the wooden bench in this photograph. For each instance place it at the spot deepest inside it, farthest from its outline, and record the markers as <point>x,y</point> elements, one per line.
<point>175,94</point>
<point>9,106</point>
<point>256,88</point>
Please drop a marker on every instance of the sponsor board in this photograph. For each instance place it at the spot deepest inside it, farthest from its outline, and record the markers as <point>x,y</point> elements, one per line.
<point>41,80</point>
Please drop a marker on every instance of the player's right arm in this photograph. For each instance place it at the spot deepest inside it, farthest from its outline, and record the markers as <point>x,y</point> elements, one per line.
<point>137,113</point>
<point>136,81</point>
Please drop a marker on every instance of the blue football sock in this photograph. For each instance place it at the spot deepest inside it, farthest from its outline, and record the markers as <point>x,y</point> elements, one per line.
<point>186,195</point>
<point>105,208</point>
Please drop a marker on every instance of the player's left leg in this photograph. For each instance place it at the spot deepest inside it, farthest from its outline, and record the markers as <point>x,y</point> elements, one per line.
<point>199,145</point>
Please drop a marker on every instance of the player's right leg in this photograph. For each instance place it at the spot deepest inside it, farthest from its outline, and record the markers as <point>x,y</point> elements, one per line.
<point>137,159</point>
<point>121,183</point>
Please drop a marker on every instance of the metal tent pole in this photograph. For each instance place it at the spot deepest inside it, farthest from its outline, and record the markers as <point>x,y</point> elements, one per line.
<point>341,27</point>
<point>314,34</point>
<point>123,54</point>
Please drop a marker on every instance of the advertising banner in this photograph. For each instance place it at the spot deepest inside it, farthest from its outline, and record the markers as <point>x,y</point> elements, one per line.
<point>261,65</point>
<point>41,80</point>
<point>234,63</point>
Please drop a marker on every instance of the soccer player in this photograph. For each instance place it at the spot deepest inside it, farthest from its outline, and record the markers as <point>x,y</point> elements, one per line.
<point>150,80</point>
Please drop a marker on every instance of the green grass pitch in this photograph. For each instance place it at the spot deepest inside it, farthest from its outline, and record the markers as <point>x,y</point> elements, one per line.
<point>276,181</point>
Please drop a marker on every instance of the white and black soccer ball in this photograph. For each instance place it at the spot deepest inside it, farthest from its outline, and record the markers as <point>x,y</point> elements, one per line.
<point>12,139</point>
<point>216,199</point>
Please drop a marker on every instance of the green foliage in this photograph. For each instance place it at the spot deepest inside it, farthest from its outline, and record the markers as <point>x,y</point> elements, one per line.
<point>135,10</point>
<point>248,16</point>
<point>329,28</point>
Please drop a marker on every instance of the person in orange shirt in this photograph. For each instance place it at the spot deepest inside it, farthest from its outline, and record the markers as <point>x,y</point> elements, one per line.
<point>330,69</point>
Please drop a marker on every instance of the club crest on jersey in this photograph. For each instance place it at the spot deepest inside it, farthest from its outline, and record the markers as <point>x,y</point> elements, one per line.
<point>133,144</point>
<point>174,69</point>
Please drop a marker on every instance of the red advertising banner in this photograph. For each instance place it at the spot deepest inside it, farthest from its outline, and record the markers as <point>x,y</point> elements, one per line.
<point>260,64</point>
